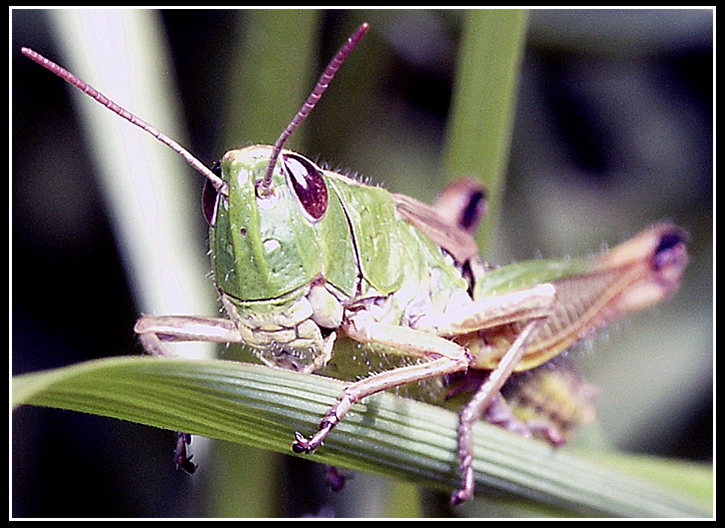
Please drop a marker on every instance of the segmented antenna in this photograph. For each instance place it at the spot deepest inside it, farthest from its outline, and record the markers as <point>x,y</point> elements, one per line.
<point>67,76</point>
<point>264,187</point>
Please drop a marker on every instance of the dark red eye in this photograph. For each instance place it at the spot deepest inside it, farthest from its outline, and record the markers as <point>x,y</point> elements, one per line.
<point>307,183</point>
<point>210,198</point>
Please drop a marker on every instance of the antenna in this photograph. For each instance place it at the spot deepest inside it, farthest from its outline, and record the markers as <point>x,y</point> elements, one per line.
<point>264,186</point>
<point>67,76</point>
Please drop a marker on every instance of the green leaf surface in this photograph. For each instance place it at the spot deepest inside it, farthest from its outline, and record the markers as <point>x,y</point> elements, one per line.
<point>479,129</point>
<point>384,434</point>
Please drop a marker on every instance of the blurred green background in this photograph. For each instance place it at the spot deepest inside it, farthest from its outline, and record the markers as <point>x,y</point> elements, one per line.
<point>612,131</point>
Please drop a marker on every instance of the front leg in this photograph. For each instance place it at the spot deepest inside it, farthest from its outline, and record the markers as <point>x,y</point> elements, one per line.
<point>152,331</point>
<point>445,358</point>
<point>182,458</point>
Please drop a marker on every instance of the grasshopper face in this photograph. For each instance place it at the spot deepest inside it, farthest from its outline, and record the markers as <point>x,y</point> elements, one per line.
<point>267,246</point>
<point>283,259</point>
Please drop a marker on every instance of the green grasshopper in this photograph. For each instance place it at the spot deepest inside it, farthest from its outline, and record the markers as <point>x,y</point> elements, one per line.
<point>302,255</point>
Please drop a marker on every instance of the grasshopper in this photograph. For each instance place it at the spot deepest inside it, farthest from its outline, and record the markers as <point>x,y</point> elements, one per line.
<point>302,255</point>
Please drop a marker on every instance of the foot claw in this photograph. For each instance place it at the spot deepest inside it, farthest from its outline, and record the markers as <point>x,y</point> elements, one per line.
<point>182,458</point>
<point>456,499</point>
<point>301,444</point>
<point>460,496</point>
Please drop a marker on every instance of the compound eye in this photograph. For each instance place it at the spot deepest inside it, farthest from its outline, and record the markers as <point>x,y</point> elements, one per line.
<point>210,197</point>
<point>308,185</point>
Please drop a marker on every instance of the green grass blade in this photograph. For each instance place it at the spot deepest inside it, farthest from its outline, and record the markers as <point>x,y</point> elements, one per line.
<point>479,130</point>
<point>385,434</point>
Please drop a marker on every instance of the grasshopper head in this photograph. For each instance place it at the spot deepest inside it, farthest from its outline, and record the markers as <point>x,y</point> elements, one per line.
<point>266,215</point>
<point>265,245</point>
